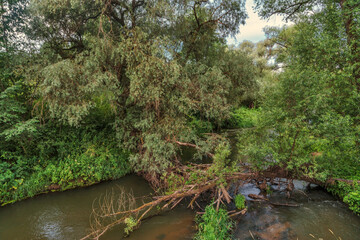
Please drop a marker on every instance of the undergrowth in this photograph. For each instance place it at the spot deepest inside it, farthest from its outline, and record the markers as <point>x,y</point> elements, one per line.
<point>65,159</point>
<point>242,118</point>
<point>214,225</point>
<point>349,193</point>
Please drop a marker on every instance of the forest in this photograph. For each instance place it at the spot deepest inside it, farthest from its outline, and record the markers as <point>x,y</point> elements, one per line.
<point>93,90</point>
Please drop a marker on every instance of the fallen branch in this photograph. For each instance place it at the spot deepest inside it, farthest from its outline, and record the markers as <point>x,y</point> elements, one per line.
<point>344,180</point>
<point>193,146</point>
<point>116,216</point>
<point>285,204</point>
<point>242,212</point>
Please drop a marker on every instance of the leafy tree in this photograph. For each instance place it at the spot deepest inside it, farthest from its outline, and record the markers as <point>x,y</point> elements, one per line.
<point>151,61</point>
<point>239,67</point>
<point>311,117</point>
<point>16,130</point>
<point>343,13</point>
<point>12,17</point>
<point>16,125</point>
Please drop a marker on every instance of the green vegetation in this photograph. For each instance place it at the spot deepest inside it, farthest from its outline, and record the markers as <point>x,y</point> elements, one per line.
<point>240,201</point>
<point>91,80</point>
<point>243,118</point>
<point>214,225</point>
<point>349,193</point>
<point>65,159</point>
<point>130,224</point>
<point>309,123</point>
<point>91,90</point>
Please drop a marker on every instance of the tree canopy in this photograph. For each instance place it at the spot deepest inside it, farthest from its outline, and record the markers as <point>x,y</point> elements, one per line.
<point>158,76</point>
<point>310,125</point>
<point>153,62</point>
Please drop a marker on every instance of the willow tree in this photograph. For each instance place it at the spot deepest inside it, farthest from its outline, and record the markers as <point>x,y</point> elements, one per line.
<point>151,61</point>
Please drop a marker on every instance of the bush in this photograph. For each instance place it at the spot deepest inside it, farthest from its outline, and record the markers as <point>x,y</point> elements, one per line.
<point>242,118</point>
<point>240,201</point>
<point>77,157</point>
<point>350,194</point>
<point>214,225</point>
<point>353,200</point>
<point>200,126</point>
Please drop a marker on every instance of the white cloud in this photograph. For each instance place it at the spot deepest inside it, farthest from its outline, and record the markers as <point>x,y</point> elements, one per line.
<point>253,29</point>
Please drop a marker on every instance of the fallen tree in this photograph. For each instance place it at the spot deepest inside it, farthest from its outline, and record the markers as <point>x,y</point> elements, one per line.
<point>187,182</point>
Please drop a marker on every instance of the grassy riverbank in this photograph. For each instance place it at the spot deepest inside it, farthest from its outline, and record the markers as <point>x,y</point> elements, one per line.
<point>61,157</point>
<point>61,160</point>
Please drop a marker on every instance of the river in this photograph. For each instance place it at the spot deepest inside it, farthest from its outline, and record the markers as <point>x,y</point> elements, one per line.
<point>65,215</point>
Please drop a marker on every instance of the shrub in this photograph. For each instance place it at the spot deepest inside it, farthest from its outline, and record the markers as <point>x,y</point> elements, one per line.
<point>240,201</point>
<point>242,118</point>
<point>77,157</point>
<point>214,225</point>
<point>353,200</point>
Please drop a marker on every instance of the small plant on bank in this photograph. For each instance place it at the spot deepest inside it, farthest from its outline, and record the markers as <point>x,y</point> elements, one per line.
<point>214,225</point>
<point>353,200</point>
<point>240,201</point>
<point>130,225</point>
<point>350,194</point>
<point>268,190</point>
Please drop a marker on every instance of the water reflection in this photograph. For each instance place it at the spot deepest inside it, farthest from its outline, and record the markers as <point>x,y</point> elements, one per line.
<point>50,224</point>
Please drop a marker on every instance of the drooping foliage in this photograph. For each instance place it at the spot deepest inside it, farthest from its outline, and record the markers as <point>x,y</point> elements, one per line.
<point>151,62</point>
<point>148,77</point>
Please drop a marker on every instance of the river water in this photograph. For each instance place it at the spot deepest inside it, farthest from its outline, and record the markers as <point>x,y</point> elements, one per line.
<point>318,215</point>
<point>65,215</point>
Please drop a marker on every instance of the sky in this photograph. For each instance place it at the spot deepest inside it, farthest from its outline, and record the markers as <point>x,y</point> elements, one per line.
<point>253,29</point>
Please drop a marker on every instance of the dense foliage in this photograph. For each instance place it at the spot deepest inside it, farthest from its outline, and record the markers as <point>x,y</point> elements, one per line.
<point>61,159</point>
<point>153,65</point>
<point>310,119</point>
<point>214,224</point>
<point>84,81</point>
<point>90,90</point>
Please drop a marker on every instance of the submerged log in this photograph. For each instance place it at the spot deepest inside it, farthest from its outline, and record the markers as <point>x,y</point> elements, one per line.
<point>259,197</point>
<point>285,204</point>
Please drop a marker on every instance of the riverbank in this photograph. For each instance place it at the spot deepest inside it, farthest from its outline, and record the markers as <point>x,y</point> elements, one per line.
<point>63,160</point>
<point>65,157</point>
